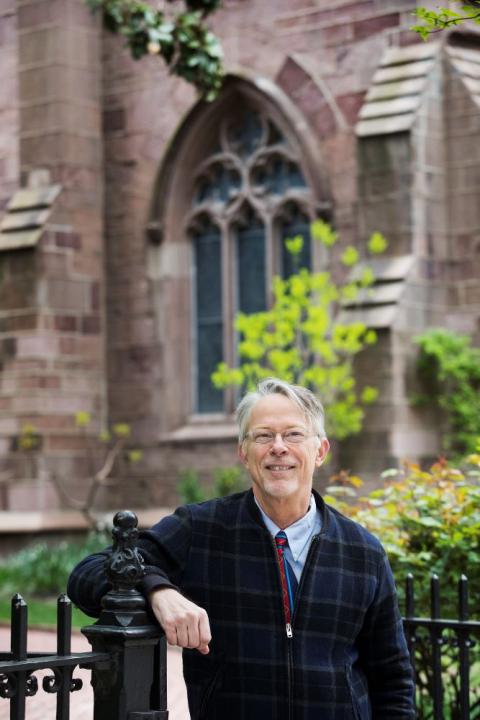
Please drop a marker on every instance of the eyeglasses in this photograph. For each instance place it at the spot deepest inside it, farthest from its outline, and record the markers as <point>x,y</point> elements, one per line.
<point>268,437</point>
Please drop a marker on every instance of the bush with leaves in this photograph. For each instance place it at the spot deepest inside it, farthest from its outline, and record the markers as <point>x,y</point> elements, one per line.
<point>301,340</point>
<point>42,570</point>
<point>429,522</point>
<point>226,480</point>
<point>449,369</point>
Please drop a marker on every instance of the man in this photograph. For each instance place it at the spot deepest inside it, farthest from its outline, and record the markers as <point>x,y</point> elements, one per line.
<point>301,626</point>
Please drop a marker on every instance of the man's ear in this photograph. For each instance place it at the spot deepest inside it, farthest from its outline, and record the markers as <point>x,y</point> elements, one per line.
<point>322,451</point>
<point>241,453</point>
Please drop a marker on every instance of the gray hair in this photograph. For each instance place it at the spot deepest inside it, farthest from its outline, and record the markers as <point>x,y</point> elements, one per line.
<point>308,403</point>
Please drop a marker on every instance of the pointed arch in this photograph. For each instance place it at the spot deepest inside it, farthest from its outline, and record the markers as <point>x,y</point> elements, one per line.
<point>230,171</point>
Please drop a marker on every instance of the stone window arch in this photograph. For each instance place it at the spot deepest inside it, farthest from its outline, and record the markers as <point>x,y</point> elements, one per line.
<point>249,185</point>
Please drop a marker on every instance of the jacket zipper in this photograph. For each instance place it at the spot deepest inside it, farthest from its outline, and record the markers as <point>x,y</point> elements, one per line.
<point>289,626</point>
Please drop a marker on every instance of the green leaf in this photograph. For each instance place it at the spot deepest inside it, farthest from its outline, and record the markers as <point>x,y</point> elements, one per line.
<point>82,418</point>
<point>349,256</point>
<point>294,245</point>
<point>377,244</point>
<point>369,395</point>
<point>323,232</point>
<point>121,429</point>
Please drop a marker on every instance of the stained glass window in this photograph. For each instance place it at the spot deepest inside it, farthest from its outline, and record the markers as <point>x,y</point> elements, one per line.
<point>249,195</point>
<point>209,318</point>
<point>251,276</point>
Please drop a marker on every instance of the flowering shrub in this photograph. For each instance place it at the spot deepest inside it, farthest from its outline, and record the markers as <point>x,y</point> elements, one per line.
<point>429,522</point>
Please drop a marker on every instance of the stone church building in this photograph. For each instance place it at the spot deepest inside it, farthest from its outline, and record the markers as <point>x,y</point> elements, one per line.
<point>136,221</point>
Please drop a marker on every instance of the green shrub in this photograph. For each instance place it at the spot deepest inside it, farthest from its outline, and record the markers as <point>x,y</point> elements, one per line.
<point>42,570</point>
<point>450,372</point>
<point>226,481</point>
<point>429,522</point>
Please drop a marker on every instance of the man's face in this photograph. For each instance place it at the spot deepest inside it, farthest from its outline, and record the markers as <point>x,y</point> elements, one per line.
<point>280,470</point>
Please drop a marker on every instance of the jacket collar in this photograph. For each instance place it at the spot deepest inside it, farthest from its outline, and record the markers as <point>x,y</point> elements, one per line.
<point>255,514</point>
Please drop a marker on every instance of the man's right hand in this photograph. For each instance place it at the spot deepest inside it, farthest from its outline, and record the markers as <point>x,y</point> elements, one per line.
<point>185,624</point>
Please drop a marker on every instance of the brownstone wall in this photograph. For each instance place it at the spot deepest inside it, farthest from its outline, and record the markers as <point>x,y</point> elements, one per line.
<point>9,111</point>
<point>102,125</point>
<point>52,305</point>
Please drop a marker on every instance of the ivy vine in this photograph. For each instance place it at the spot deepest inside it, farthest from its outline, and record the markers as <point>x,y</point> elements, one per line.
<point>182,40</point>
<point>450,370</point>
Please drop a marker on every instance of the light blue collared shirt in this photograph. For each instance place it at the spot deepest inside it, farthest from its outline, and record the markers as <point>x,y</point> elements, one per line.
<point>299,535</point>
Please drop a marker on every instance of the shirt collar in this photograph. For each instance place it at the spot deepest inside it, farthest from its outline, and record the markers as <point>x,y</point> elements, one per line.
<point>298,533</point>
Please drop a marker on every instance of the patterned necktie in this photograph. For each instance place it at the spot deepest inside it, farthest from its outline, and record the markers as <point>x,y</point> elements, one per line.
<point>289,581</point>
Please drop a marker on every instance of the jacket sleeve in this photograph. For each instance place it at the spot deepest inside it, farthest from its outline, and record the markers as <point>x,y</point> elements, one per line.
<point>164,549</point>
<point>384,654</point>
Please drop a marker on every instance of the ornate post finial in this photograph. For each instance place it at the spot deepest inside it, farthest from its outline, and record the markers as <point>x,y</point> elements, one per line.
<point>124,569</point>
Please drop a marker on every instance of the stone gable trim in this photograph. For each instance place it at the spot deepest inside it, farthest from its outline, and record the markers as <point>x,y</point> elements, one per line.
<point>397,90</point>
<point>466,63</point>
<point>26,217</point>
<point>377,306</point>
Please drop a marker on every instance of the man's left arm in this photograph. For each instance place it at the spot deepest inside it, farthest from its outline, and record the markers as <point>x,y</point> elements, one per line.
<point>384,654</point>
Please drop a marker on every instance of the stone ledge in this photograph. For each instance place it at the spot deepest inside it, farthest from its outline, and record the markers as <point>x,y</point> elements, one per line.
<point>13,523</point>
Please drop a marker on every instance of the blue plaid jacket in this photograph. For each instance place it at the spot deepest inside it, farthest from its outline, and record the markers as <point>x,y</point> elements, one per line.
<point>347,658</point>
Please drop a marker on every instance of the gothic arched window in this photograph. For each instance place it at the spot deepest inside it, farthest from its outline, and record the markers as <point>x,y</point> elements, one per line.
<point>249,194</point>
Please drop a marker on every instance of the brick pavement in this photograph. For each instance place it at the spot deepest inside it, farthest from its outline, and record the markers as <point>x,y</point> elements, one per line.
<point>42,705</point>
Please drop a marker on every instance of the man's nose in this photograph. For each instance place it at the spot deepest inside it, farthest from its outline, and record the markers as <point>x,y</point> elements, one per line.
<point>278,445</point>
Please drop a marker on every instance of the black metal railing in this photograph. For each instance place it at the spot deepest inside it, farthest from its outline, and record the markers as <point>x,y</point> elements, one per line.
<point>440,652</point>
<point>128,657</point>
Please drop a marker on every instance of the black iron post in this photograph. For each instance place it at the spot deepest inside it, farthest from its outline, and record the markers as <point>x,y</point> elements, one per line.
<point>132,686</point>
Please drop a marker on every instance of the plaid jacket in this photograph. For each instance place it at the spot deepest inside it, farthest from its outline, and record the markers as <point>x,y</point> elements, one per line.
<point>347,658</point>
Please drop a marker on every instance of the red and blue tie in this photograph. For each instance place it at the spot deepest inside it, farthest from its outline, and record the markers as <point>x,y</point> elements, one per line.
<point>289,581</point>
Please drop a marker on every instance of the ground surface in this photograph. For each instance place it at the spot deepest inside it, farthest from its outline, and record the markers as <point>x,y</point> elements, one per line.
<point>42,705</point>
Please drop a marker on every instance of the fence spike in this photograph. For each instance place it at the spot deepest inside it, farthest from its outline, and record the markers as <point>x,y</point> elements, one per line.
<point>19,617</point>
<point>64,624</point>
<point>409,596</point>
<point>435,596</point>
<point>463,598</point>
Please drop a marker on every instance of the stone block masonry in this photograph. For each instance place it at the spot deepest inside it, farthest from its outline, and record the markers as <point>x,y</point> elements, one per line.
<point>52,325</point>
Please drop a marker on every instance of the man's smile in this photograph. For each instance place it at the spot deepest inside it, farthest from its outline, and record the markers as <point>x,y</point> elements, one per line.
<point>275,467</point>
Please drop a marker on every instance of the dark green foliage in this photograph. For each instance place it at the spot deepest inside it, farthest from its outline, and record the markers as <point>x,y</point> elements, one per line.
<point>226,481</point>
<point>450,371</point>
<point>43,570</point>
<point>189,487</point>
<point>186,45</point>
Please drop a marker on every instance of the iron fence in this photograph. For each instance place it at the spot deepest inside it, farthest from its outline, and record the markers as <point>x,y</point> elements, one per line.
<point>128,657</point>
<point>440,652</point>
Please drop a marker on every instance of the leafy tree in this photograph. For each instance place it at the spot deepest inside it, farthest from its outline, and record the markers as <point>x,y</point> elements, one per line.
<point>299,340</point>
<point>103,455</point>
<point>441,18</point>
<point>183,41</point>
